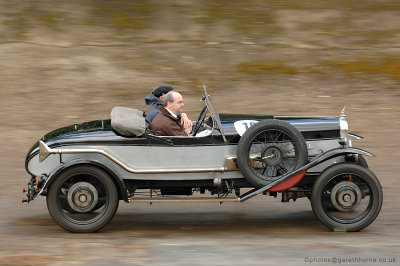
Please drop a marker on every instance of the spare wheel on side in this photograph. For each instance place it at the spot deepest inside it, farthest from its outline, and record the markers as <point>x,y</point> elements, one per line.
<point>270,149</point>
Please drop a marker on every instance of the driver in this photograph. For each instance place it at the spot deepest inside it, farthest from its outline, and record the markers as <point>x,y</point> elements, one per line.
<point>168,122</point>
<point>154,99</point>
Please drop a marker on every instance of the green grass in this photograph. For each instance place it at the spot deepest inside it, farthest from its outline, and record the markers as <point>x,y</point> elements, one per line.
<point>253,18</point>
<point>381,65</point>
<point>18,24</point>
<point>336,4</point>
<point>256,68</point>
<point>50,19</point>
<point>121,14</point>
<point>21,21</point>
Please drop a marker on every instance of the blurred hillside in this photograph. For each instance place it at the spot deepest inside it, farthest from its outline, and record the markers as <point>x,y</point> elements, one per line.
<point>63,62</point>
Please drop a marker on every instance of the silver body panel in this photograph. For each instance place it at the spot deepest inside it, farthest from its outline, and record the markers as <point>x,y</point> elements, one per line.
<point>166,162</point>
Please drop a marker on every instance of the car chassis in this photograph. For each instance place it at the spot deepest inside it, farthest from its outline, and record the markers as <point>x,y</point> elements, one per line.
<point>84,170</point>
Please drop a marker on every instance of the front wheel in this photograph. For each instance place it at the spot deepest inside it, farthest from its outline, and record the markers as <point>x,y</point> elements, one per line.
<point>347,197</point>
<point>74,198</point>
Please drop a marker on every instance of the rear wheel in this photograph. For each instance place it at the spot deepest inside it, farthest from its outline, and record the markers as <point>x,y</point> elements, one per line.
<point>270,149</point>
<point>347,197</point>
<point>82,199</point>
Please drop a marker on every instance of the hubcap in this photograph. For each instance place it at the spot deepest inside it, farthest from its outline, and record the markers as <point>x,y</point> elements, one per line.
<point>82,197</point>
<point>345,196</point>
<point>272,155</point>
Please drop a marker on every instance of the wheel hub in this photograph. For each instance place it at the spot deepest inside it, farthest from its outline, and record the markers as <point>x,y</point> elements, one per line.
<point>345,196</point>
<point>272,155</point>
<point>82,197</point>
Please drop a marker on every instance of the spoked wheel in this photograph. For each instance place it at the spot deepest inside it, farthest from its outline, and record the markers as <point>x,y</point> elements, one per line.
<point>270,149</point>
<point>347,197</point>
<point>82,199</point>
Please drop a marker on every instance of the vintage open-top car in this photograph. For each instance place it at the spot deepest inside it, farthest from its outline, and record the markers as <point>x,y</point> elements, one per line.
<point>84,170</point>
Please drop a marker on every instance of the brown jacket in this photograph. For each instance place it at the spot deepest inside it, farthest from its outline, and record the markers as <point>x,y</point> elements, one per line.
<point>166,124</point>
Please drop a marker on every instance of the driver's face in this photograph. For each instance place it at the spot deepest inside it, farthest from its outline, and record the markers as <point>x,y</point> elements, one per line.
<point>177,105</point>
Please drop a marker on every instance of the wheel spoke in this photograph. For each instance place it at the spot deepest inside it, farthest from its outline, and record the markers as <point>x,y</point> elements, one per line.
<point>264,170</point>
<point>270,137</point>
<point>277,138</point>
<point>282,169</point>
<point>289,163</point>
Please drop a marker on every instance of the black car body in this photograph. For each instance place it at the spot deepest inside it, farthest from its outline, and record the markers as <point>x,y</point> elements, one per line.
<point>84,170</point>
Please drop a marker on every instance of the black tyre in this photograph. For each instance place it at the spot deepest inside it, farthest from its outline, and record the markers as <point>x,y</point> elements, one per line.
<point>270,149</point>
<point>362,162</point>
<point>82,199</point>
<point>358,159</point>
<point>347,197</point>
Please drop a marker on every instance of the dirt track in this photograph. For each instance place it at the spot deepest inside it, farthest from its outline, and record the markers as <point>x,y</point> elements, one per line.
<point>310,63</point>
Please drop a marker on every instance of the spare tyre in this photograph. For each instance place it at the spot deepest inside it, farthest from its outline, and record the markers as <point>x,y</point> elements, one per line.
<point>269,150</point>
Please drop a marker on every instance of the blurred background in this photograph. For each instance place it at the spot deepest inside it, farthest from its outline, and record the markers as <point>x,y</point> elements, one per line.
<point>65,62</point>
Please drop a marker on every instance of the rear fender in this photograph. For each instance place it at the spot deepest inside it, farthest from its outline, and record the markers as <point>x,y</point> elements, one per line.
<point>120,184</point>
<point>298,174</point>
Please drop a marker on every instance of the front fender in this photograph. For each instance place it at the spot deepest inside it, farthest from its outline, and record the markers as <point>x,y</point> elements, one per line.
<point>336,153</point>
<point>300,172</point>
<point>119,182</point>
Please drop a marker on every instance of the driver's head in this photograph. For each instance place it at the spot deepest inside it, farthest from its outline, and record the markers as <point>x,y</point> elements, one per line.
<point>160,91</point>
<point>173,101</point>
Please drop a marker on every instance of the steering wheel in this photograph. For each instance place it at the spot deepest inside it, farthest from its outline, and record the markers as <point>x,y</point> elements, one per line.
<point>200,120</point>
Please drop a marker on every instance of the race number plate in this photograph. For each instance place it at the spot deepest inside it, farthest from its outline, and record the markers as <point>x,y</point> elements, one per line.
<point>242,125</point>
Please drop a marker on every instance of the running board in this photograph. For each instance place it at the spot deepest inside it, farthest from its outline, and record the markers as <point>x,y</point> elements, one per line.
<point>177,199</point>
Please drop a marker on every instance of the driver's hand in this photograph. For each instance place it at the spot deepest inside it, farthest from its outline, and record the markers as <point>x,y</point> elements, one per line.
<point>186,123</point>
